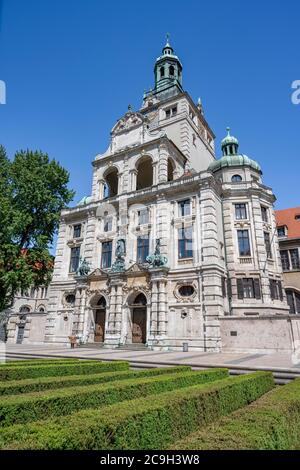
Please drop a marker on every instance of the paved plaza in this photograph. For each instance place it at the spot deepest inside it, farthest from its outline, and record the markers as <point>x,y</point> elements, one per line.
<point>276,361</point>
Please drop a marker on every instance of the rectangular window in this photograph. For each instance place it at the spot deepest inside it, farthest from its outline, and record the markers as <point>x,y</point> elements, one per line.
<point>108,224</point>
<point>77,231</point>
<point>295,258</point>
<point>244,243</point>
<point>285,261</point>
<point>143,217</point>
<point>240,211</point>
<point>74,260</point>
<point>281,232</point>
<point>184,207</point>
<point>264,214</point>
<point>185,243</point>
<point>142,248</point>
<point>249,288</point>
<point>268,245</point>
<point>106,255</point>
<point>276,289</point>
<point>171,112</point>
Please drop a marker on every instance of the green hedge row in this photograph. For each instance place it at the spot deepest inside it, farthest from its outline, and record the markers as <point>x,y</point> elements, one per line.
<point>271,423</point>
<point>140,423</point>
<point>41,405</point>
<point>50,370</point>
<point>37,362</point>
<point>13,387</point>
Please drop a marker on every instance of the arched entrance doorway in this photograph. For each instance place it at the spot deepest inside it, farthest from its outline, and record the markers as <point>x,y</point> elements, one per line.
<point>139,319</point>
<point>99,320</point>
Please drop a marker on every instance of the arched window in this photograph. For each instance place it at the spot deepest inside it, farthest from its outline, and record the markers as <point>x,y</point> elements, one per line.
<point>111,183</point>
<point>293,300</point>
<point>236,179</point>
<point>24,309</point>
<point>101,302</point>
<point>70,299</point>
<point>145,173</point>
<point>162,72</point>
<point>170,170</point>
<point>171,71</point>
<point>140,300</point>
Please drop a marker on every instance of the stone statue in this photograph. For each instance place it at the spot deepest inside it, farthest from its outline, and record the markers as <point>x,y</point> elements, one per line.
<point>119,264</point>
<point>157,260</point>
<point>84,267</point>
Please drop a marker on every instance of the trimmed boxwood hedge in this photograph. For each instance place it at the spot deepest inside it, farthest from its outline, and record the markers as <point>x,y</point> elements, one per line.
<point>41,405</point>
<point>270,423</point>
<point>50,370</point>
<point>140,423</point>
<point>39,362</point>
<point>14,387</point>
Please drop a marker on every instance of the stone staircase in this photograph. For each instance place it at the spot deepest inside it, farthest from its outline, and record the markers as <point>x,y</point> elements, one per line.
<point>133,347</point>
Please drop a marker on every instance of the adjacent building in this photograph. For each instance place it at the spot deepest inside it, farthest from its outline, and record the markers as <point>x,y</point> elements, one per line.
<point>288,230</point>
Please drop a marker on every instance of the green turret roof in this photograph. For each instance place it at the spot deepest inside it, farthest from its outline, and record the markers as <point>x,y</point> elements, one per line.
<point>84,201</point>
<point>231,157</point>
<point>233,161</point>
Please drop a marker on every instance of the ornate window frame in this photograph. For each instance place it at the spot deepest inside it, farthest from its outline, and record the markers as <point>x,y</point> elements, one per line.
<point>190,298</point>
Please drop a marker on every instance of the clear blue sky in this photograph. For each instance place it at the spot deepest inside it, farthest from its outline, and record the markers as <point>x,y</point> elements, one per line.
<point>72,67</point>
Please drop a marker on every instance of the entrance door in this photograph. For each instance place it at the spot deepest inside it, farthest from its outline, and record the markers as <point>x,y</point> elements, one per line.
<point>139,316</point>
<point>99,326</point>
<point>20,336</point>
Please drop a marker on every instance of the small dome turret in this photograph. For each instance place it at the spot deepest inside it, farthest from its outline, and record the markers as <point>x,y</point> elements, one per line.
<point>231,156</point>
<point>230,144</point>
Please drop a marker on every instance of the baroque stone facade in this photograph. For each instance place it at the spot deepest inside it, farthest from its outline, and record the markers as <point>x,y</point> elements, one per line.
<point>172,246</point>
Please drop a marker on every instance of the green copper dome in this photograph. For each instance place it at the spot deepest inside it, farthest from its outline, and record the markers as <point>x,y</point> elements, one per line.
<point>231,157</point>
<point>234,161</point>
<point>84,201</point>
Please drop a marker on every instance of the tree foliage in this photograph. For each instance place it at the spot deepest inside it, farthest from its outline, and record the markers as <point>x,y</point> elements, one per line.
<point>33,191</point>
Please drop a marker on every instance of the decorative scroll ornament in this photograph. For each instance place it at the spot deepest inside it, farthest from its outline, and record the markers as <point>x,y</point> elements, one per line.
<point>157,260</point>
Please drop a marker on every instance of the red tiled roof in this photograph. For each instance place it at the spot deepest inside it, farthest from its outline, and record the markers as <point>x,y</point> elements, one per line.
<point>287,217</point>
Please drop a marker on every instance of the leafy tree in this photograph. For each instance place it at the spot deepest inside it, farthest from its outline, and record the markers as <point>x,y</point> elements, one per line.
<point>33,191</point>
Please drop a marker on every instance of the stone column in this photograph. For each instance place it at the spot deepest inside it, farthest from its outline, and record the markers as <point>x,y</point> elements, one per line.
<point>154,309</point>
<point>159,314</point>
<point>212,269</point>
<point>133,180</point>
<point>114,330</point>
<point>79,308</point>
<point>163,163</point>
<point>162,311</point>
<point>101,184</point>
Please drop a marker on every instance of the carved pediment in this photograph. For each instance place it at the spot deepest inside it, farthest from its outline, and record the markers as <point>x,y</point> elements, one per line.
<point>97,273</point>
<point>136,268</point>
<point>130,121</point>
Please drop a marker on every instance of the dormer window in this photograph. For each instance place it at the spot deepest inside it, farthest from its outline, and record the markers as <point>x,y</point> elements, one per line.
<point>297,217</point>
<point>281,231</point>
